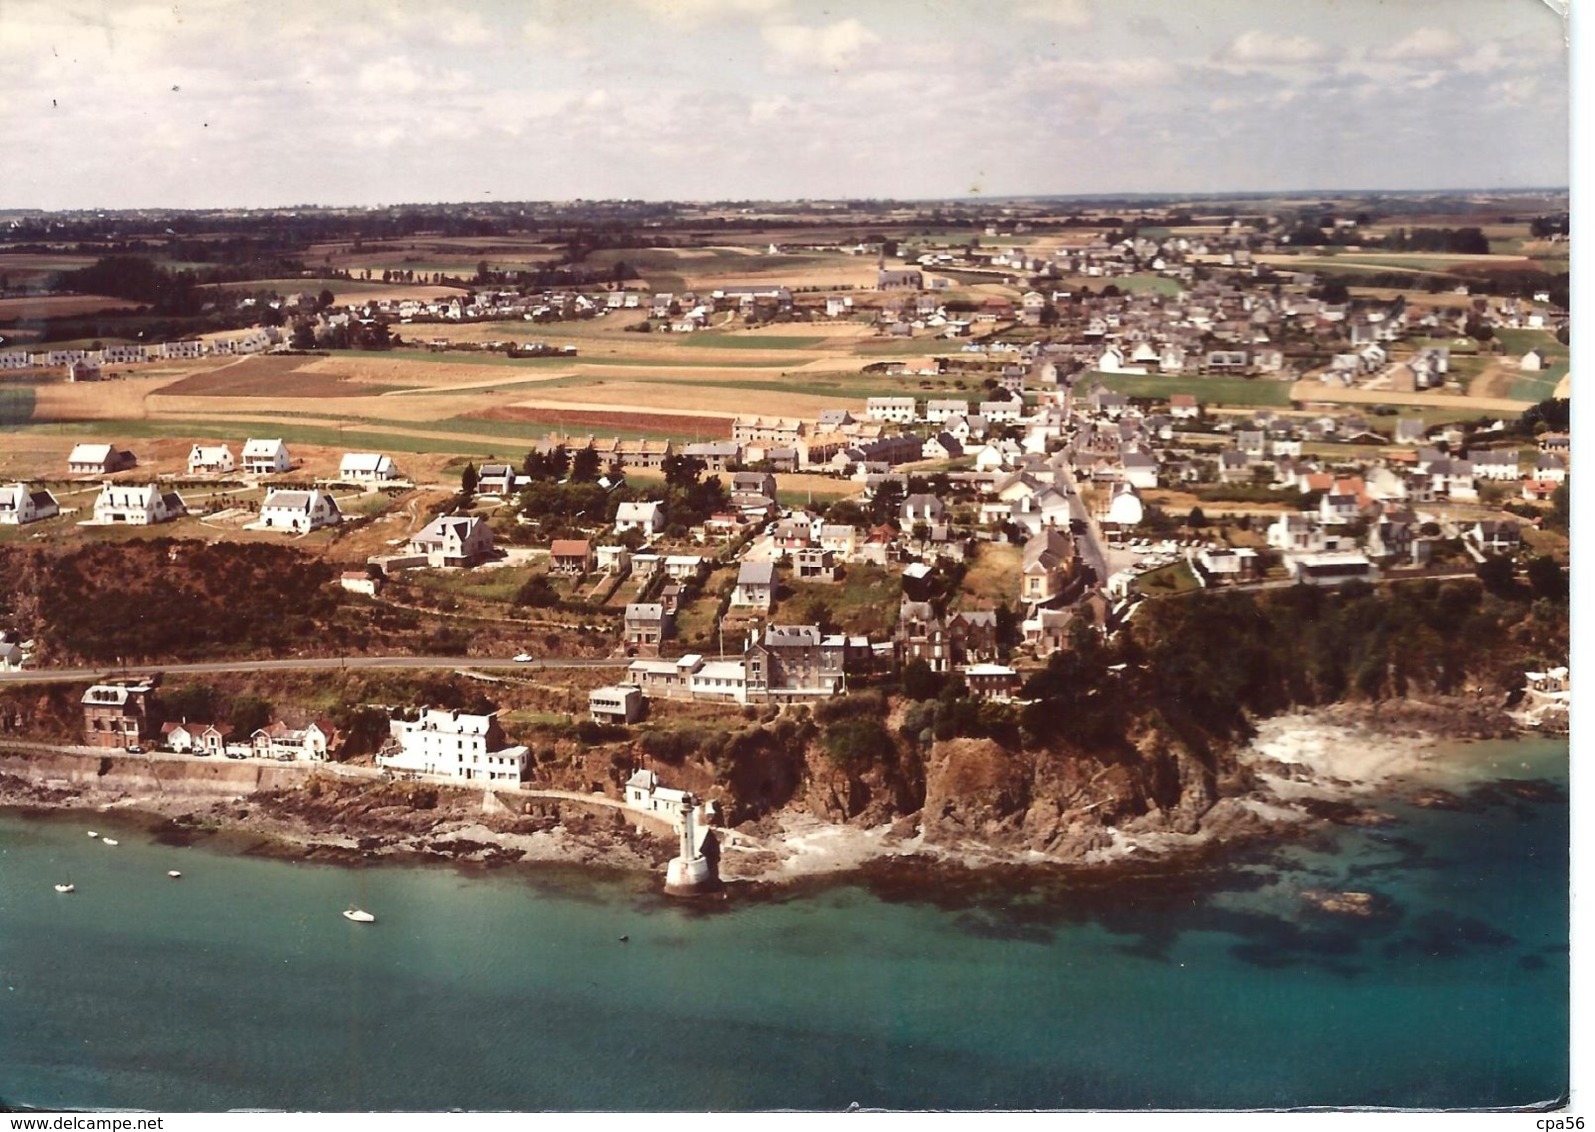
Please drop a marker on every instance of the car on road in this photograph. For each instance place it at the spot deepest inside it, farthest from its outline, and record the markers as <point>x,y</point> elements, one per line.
<point>135,749</point>
<point>522,658</point>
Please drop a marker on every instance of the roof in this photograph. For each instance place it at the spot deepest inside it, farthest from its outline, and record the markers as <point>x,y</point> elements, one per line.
<point>756,574</point>
<point>364,462</point>
<point>253,447</point>
<point>89,454</point>
<point>286,500</point>
<point>570,548</point>
<point>791,635</point>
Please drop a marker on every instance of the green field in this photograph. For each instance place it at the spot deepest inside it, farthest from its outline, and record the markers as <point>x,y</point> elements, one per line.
<point>1208,390</point>
<point>752,341</point>
<point>16,404</point>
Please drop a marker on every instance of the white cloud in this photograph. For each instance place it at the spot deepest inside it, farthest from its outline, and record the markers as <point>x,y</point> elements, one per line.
<point>1423,43</point>
<point>461,29</point>
<point>1265,47</point>
<point>831,47</point>
<point>398,74</point>
<point>1075,15</point>
<point>695,13</point>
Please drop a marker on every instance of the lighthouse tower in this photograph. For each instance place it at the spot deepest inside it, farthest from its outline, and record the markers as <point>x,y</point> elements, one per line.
<point>688,872</point>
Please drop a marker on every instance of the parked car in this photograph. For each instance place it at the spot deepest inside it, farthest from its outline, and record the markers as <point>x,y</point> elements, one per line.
<point>134,749</point>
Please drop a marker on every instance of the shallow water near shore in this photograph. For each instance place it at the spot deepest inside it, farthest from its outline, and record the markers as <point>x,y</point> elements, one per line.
<point>1219,985</point>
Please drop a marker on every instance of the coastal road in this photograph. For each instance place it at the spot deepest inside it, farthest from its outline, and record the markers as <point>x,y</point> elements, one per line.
<point>310,663</point>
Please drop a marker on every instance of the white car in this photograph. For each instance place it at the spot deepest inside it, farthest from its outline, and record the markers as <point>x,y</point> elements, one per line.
<point>522,658</point>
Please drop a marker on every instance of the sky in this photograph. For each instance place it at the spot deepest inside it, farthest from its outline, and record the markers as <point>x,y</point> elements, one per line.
<point>219,103</point>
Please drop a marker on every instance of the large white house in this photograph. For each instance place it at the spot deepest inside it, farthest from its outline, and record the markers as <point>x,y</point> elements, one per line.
<point>266,457</point>
<point>98,459</point>
<point>297,510</point>
<point>366,467</point>
<point>210,458</point>
<point>138,505</point>
<point>453,540</point>
<point>645,516</point>
<point>21,504</point>
<point>456,745</point>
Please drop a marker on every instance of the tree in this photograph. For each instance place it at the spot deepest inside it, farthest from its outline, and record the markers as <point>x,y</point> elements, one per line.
<point>1498,575</point>
<point>304,336</point>
<point>584,467</point>
<point>468,479</point>
<point>324,300</point>
<point>682,471</point>
<point>249,714</point>
<point>1547,579</point>
<point>1196,520</point>
<point>919,681</point>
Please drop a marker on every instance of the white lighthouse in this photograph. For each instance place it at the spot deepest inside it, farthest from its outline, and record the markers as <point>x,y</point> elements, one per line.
<point>688,872</point>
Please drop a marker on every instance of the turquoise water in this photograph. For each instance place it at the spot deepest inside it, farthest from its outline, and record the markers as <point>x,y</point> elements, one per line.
<point>240,985</point>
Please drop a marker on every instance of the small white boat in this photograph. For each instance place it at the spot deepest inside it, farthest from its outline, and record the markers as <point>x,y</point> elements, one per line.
<point>173,873</point>
<point>359,916</point>
<point>109,841</point>
<point>93,834</point>
<point>66,888</point>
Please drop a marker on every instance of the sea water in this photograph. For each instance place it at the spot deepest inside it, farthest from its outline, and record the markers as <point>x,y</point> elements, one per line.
<point>240,985</point>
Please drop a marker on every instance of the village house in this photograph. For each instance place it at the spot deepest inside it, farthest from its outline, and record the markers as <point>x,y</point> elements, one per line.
<point>894,410</point>
<point>266,457</point>
<point>136,505</point>
<point>715,454</point>
<point>453,540</point>
<point>297,510</point>
<point>647,517</point>
<point>1494,536</point>
<point>814,564</point>
<point>187,738</point>
<point>360,582</point>
<point>99,460</point>
<point>794,662</point>
<point>571,556</point>
<point>366,467</point>
<point>20,504</point>
<point>212,459</point>
<point>991,681</point>
<point>119,715</point>
<point>645,627</point>
<point>312,743</point>
<point>755,587</point>
<point>454,745</point>
<point>1051,565</point>
<point>496,480</point>
<point>766,430</point>
<point>617,704</point>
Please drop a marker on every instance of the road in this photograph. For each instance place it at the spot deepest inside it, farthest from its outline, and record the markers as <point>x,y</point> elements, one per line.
<point>1089,543</point>
<point>316,663</point>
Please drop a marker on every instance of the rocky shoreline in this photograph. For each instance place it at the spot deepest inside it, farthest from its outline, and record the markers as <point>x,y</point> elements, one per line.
<point>1300,771</point>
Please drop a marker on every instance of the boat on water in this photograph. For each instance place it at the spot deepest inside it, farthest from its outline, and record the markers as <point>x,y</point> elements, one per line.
<point>93,834</point>
<point>109,841</point>
<point>173,873</point>
<point>66,888</point>
<point>359,916</point>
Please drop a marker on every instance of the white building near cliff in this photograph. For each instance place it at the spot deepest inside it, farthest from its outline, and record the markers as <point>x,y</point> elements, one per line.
<point>454,745</point>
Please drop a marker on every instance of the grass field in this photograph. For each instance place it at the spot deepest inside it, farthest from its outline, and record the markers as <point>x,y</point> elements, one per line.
<point>753,342</point>
<point>16,404</point>
<point>993,577</point>
<point>1208,390</point>
<point>864,601</point>
<point>1166,581</point>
